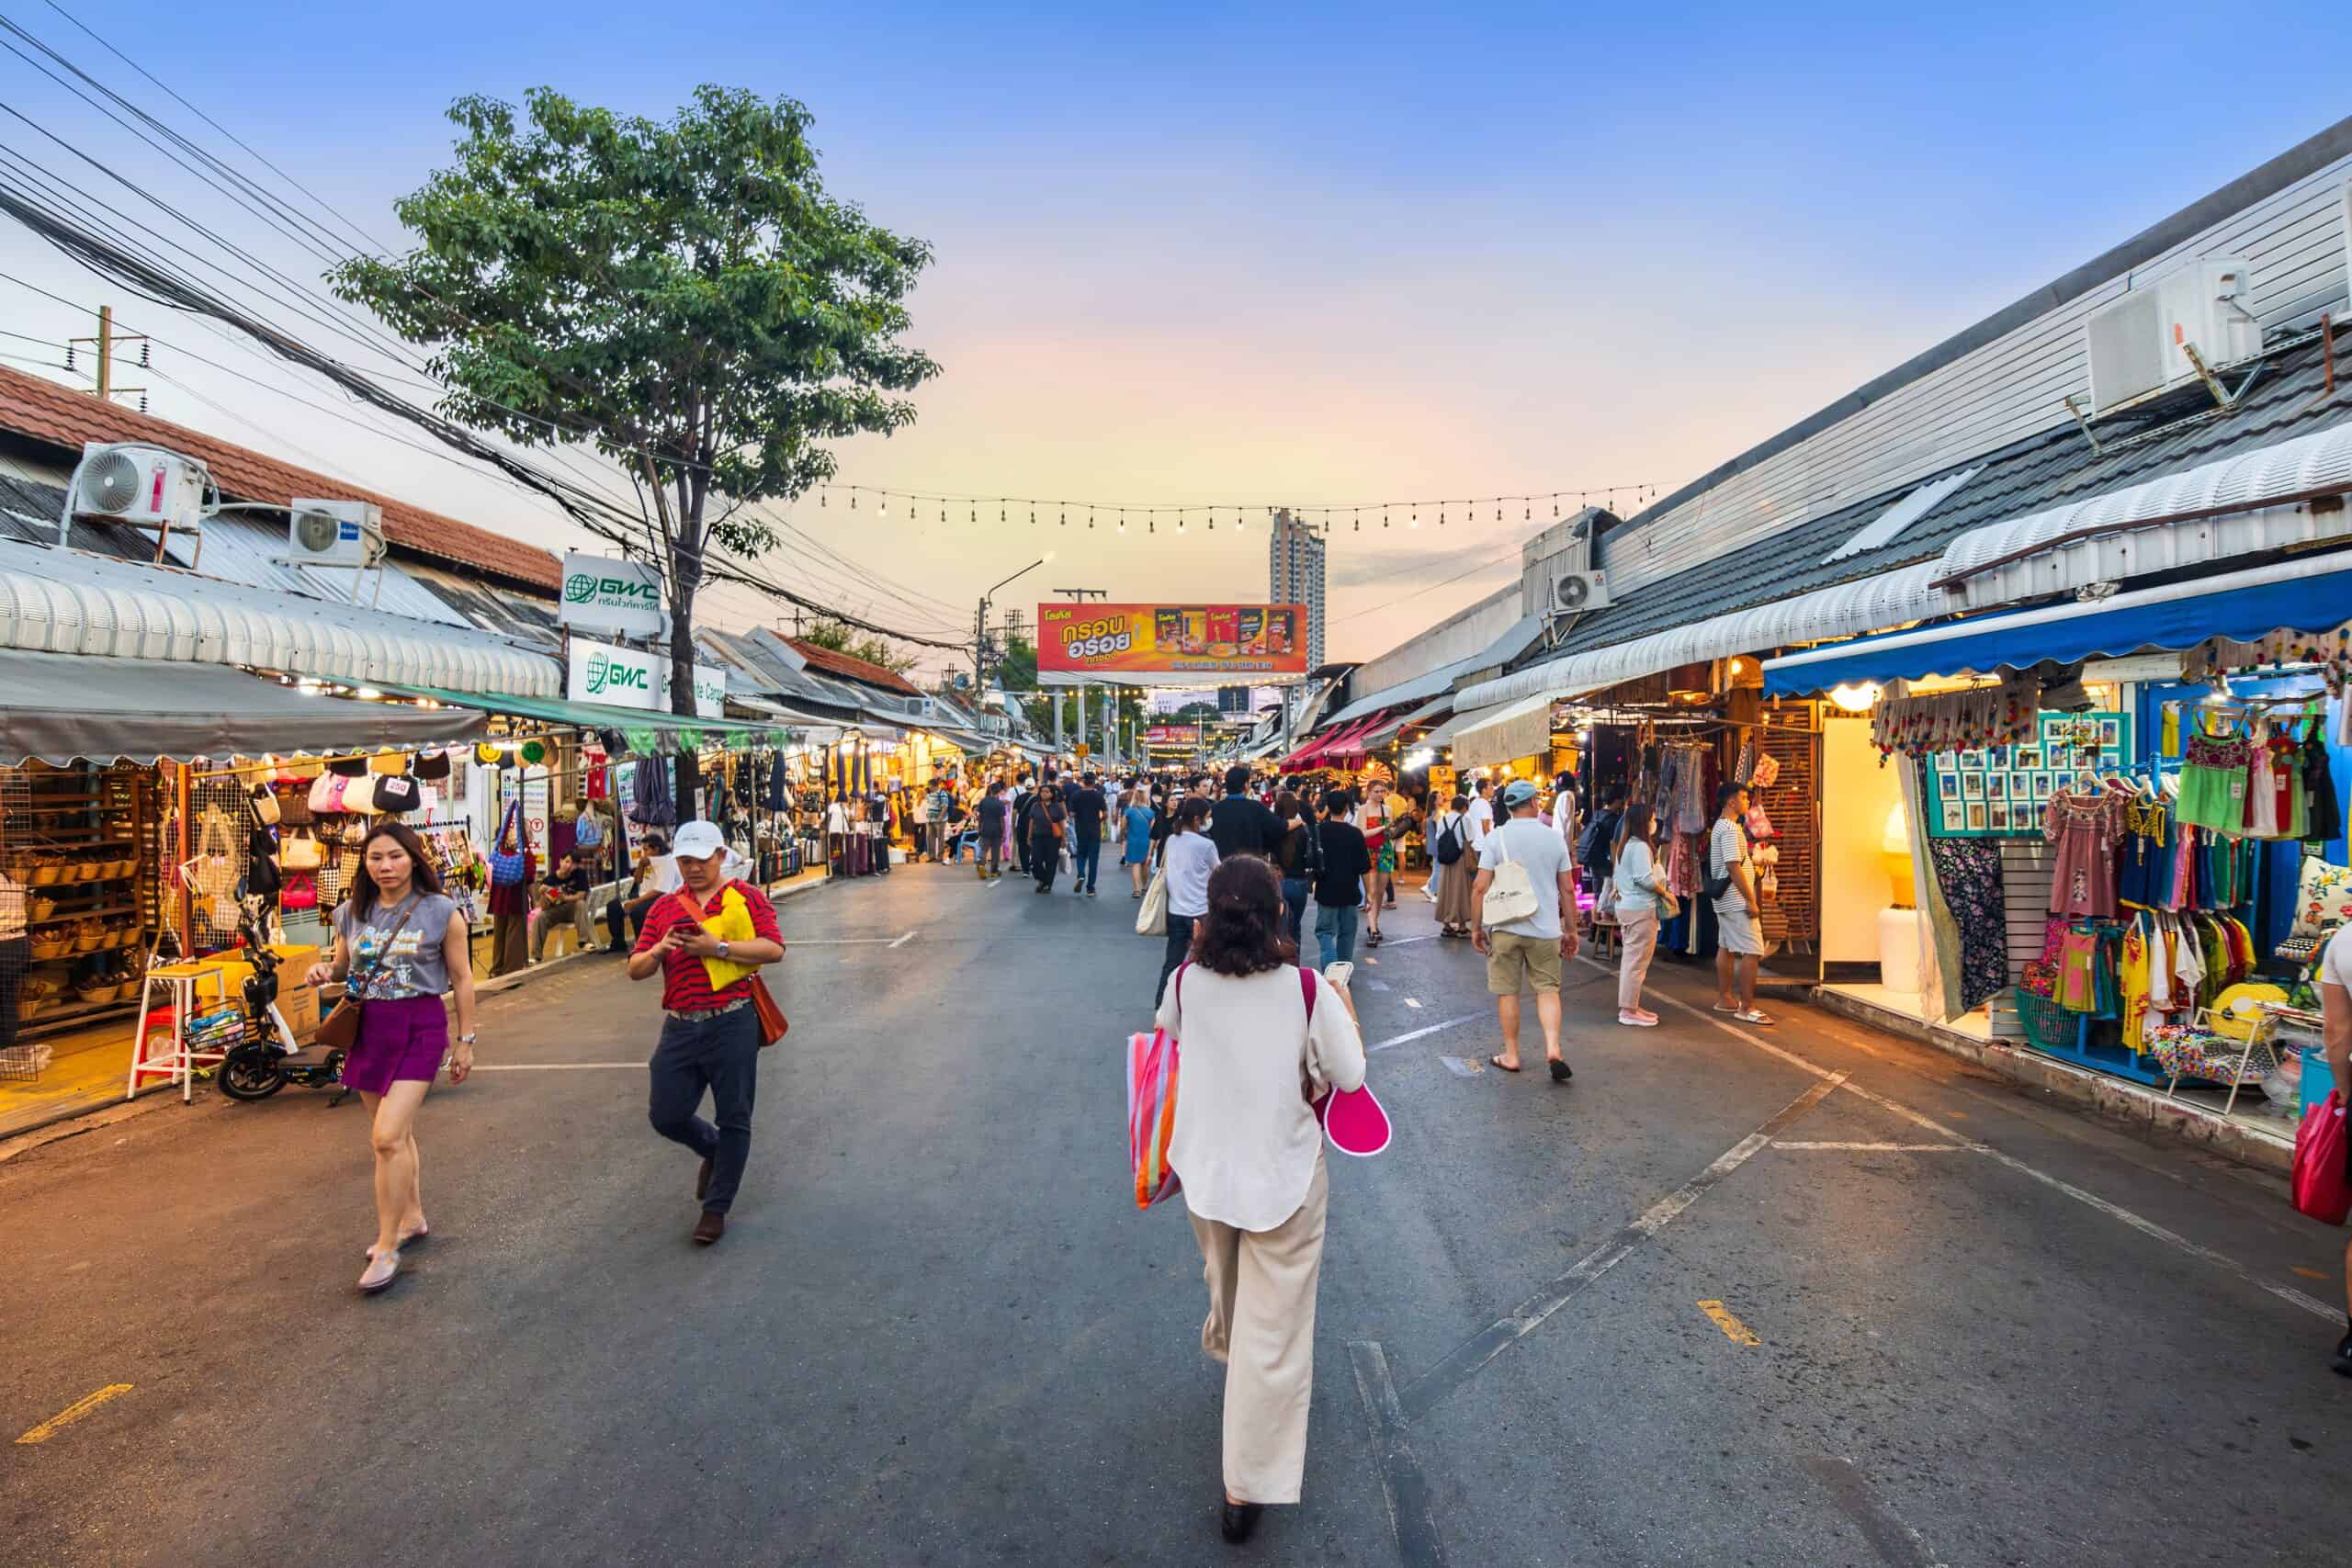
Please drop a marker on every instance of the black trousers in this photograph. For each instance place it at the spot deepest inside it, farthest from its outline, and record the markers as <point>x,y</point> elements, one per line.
<point>1180,948</point>
<point>620,912</point>
<point>1045,860</point>
<point>720,1054</point>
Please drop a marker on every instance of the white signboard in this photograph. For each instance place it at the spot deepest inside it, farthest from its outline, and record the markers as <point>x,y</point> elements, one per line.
<point>622,598</point>
<point>624,678</point>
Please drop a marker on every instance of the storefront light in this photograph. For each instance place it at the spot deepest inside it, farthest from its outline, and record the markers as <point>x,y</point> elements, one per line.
<point>1416,761</point>
<point>370,693</point>
<point>1855,697</point>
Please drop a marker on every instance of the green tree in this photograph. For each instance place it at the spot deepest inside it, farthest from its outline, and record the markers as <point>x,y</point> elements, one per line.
<point>873,649</point>
<point>683,295</point>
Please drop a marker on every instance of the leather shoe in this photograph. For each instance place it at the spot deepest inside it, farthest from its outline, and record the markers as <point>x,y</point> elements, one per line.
<point>702,1182</point>
<point>1239,1520</point>
<point>711,1227</point>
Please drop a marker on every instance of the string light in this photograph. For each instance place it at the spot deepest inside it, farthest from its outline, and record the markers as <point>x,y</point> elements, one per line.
<point>1123,521</point>
<point>886,507</point>
<point>1180,522</point>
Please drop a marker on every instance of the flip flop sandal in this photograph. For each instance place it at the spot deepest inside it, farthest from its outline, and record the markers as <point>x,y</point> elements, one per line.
<point>413,1238</point>
<point>1756,1017</point>
<point>383,1267</point>
<point>1499,1061</point>
<point>1561,1071</point>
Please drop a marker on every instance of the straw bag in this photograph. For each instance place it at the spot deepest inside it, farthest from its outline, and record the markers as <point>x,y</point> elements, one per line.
<point>300,851</point>
<point>265,804</point>
<point>214,874</point>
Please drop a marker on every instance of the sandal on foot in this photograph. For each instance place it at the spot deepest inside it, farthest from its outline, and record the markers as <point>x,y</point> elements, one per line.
<point>421,1234</point>
<point>1499,1061</point>
<point>1561,1071</point>
<point>383,1269</point>
<point>1756,1017</point>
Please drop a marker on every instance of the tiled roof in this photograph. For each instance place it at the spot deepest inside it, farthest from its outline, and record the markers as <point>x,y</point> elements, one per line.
<point>850,668</point>
<point>67,418</point>
<point>2042,470</point>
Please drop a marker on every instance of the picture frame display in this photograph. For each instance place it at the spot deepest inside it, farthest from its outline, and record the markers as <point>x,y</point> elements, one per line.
<point>2002,791</point>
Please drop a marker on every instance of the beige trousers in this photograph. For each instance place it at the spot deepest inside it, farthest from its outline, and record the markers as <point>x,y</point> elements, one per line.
<point>1261,1325</point>
<point>1639,934</point>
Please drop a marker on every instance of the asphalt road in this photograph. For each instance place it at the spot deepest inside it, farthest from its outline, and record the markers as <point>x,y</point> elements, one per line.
<point>1951,1324</point>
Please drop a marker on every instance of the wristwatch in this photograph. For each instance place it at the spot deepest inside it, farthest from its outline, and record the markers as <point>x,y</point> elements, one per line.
<point>465,1039</point>
<point>722,950</point>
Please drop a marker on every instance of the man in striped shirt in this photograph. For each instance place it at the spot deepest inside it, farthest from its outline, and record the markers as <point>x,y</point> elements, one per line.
<point>710,1037</point>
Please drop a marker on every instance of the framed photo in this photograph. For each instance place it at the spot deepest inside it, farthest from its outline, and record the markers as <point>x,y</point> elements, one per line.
<point>1996,757</point>
<point>2111,734</point>
<point>1996,786</point>
<point>1972,786</point>
<point>1954,820</point>
<point>1948,786</point>
<point>1976,817</point>
<point>2020,787</point>
<point>2026,757</point>
<point>2046,784</point>
<point>1972,762</point>
<point>1945,761</point>
<point>1998,819</point>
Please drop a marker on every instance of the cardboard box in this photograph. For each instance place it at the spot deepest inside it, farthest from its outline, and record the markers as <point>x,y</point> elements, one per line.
<point>299,1005</point>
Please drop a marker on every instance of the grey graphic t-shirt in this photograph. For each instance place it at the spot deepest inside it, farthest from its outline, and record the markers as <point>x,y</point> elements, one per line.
<point>397,951</point>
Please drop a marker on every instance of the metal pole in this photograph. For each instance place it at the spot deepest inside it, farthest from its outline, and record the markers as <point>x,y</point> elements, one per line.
<point>106,352</point>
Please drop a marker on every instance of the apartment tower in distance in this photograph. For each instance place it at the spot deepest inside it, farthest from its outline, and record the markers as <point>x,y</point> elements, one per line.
<point>1294,575</point>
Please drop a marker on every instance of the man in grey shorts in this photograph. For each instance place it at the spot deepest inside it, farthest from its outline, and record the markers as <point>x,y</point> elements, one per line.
<point>1740,941</point>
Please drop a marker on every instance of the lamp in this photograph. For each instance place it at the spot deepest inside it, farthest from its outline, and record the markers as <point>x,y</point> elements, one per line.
<point>1894,848</point>
<point>1855,697</point>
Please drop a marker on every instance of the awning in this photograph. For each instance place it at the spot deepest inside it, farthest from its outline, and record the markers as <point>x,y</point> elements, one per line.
<point>1325,750</point>
<point>62,706</point>
<point>1495,655</point>
<point>1865,604</point>
<point>2300,595</point>
<point>1522,728</point>
<point>646,731</point>
<point>1347,748</point>
<point>54,601</point>
<point>1383,730</point>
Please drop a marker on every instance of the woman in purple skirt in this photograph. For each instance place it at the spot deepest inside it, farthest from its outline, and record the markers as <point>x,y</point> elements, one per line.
<point>400,947</point>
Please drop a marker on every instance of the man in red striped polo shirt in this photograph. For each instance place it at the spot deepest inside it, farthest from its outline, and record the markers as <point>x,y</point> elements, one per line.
<point>710,1038</point>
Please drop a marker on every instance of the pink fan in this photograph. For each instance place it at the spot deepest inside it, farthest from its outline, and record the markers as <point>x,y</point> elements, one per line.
<point>1355,1121</point>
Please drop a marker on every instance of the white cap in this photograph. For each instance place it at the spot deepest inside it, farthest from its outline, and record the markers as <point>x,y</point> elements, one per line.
<point>697,841</point>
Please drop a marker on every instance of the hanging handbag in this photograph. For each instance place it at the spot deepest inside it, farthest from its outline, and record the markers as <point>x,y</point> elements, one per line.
<point>506,865</point>
<point>300,851</point>
<point>1151,916</point>
<point>302,893</point>
<point>265,806</point>
<point>431,766</point>
<point>397,794</point>
<point>359,795</point>
<point>293,807</point>
<point>261,866</point>
<point>214,875</point>
<point>326,793</point>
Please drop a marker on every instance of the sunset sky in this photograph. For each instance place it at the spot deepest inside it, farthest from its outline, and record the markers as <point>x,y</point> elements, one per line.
<point>1205,253</point>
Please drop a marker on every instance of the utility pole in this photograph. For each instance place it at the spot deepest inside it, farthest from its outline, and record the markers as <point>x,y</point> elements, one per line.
<point>106,342</point>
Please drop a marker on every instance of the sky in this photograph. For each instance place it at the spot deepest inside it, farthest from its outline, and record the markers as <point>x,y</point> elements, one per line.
<point>1321,256</point>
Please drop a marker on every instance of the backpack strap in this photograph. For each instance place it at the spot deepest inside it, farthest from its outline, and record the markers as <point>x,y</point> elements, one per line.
<point>1306,990</point>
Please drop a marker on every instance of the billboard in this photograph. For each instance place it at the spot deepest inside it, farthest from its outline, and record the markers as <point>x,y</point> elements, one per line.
<point>1229,640</point>
<point>621,598</point>
<point>624,678</point>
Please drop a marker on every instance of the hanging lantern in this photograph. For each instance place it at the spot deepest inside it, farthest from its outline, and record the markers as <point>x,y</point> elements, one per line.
<point>488,755</point>
<point>535,752</point>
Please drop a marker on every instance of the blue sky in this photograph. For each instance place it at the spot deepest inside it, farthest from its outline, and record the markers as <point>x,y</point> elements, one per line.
<point>1316,253</point>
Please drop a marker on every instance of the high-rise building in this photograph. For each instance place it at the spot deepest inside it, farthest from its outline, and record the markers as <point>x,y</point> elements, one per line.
<point>1294,575</point>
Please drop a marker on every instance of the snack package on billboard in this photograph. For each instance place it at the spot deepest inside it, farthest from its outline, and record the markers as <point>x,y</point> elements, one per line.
<point>1167,627</point>
<point>1250,629</point>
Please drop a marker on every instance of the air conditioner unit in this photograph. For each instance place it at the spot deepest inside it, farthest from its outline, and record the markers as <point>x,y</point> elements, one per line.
<point>2139,343</point>
<point>335,532</point>
<point>922,707</point>
<point>1580,590</point>
<point>138,486</point>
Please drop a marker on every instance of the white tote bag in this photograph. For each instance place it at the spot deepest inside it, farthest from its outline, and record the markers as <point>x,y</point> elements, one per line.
<point>1510,896</point>
<point>1151,916</point>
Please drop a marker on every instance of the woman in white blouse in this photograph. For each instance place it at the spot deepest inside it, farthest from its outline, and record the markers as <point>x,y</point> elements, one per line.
<point>1187,857</point>
<point>1249,1152</point>
<point>1637,878</point>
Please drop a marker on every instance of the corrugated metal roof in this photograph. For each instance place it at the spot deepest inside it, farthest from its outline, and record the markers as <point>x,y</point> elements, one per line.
<point>66,602</point>
<point>2042,471</point>
<point>1502,650</point>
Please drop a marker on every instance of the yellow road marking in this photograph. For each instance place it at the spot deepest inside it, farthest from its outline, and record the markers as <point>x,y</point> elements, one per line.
<point>2311,1273</point>
<point>1734,1330</point>
<point>73,1413</point>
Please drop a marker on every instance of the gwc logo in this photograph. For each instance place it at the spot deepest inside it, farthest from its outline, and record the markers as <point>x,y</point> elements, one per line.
<point>604,675</point>
<point>586,587</point>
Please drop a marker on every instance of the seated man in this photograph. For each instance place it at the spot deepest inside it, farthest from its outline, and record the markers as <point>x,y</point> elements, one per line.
<point>564,898</point>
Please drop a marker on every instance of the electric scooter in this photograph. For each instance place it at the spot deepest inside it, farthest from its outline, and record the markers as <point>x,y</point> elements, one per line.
<point>269,1058</point>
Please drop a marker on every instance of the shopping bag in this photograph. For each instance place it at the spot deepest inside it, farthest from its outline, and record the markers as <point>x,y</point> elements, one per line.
<point>2322,1186</point>
<point>1510,896</point>
<point>1152,1061</point>
<point>1151,916</point>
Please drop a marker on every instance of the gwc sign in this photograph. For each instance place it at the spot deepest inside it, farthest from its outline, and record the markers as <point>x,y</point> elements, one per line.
<point>624,678</point>
<point>620,597</point>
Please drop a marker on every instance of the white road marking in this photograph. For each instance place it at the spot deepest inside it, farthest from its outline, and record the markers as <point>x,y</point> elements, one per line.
<point>791,940</point>
<point>2140,1222</point>
<point>553,1066</point>
<point>1401,941</point>
<point>1882,1148</point>
<point>1425,1030</point>
<point>904,940</point>
<point>1413,1002</point>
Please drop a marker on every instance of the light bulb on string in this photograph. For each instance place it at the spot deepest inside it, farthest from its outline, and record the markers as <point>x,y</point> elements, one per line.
<point>1212,521</point>
<point>1180,522</point>
<point>1498,514</point>
<point>853,501</point>
<point>886,507</point>
<point>820,501</point>
<point>1123,521</point>
<point>1359,523</point>
<point>1529,515</point>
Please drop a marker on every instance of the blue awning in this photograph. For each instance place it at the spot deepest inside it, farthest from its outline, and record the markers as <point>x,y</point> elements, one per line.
<point>2304,595</point>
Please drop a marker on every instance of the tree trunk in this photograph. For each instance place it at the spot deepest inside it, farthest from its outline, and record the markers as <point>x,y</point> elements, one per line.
<point>686,579</point>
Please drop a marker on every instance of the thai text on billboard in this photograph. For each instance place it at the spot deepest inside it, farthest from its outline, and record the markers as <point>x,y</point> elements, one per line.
<point>1224,640</point>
